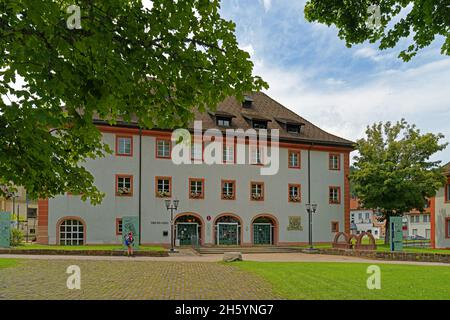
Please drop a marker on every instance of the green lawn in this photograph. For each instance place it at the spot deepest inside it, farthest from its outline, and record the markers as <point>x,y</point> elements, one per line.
<point>385,248</point>
<point>313,281</point>
<point>5,263</point>
<point>93,247</point>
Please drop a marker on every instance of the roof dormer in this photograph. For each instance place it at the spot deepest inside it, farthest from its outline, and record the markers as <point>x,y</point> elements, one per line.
<point>291,126</point>
<point>248,102</point>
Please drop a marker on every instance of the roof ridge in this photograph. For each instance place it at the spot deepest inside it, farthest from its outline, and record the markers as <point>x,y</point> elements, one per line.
<point>304,119</point>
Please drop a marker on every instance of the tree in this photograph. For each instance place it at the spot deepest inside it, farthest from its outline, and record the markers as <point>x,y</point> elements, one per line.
<point>393,171</point>
<point>61,67</point>
<point>425,20</point>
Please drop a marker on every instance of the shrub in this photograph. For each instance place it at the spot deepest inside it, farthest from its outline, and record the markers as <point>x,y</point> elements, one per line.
<point>16,237</point>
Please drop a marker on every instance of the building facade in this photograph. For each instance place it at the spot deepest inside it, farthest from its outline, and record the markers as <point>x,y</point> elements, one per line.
<point>365,220</point>
<point>220,204</point>
<point>417,224</point>
<point>23,211</point>
<point>440,215</point>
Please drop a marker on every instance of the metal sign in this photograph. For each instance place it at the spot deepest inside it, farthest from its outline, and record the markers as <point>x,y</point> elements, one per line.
<point>396,233</point>
<point>5,229</point>
<point>131,224</point>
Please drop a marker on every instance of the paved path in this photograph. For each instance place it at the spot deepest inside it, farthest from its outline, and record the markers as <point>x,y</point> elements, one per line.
<point>188,256</point>
<point>137,280</point>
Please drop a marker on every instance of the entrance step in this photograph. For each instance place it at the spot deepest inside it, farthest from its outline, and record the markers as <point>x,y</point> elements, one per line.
<point>247,250</point>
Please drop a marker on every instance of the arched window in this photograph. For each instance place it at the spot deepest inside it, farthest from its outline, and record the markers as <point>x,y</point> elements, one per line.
<point>71,233</point>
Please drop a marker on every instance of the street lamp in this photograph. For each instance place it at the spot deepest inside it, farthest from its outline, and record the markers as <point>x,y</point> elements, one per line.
<point>14,196</point>
<point>311,208</point>
<point>172,206</point>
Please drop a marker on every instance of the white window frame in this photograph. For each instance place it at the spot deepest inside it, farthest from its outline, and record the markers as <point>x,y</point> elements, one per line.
<point>227,186</point>
<point>196,185</point>
<point>334,161</point>
<point>228,153</point>
<point>334,195</point>
<point>122,144</point>
<point>122,183</point>
<point>294,155</point>
<point>71,228</point>
<point>163,148</point>
<point>163,185</point>
<point>256,155</point>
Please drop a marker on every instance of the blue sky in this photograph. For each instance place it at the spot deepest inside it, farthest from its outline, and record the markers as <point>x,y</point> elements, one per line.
<point>311,71</point>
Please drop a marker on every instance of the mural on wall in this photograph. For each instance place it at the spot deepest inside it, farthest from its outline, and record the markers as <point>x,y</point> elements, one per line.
<point>5,229</point>
<point>295,224</point>
<point>131,224</point>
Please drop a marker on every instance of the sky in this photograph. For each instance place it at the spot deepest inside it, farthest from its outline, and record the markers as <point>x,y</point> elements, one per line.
<point>342,90</point>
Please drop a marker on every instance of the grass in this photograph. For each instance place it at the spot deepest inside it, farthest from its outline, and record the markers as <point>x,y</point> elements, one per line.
<point>347,281</point>
<point>78,248</point>
<point>6,263</point>
<point>382,247</point>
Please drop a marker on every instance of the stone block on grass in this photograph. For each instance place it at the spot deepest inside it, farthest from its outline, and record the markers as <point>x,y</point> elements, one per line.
<point>232,256</point>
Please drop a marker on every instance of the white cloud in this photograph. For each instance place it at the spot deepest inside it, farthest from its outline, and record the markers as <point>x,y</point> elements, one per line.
<point>249,48</point>
<point>267,4</point>
<point>420,95</point>
<point>367,52</point>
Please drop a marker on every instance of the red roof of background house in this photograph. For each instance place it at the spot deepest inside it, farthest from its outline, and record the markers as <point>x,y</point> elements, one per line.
<point>355,204</point>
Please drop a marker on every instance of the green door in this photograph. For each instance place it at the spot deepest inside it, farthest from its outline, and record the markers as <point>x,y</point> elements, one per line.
<point>262,233</point>
<point>227,234</point>
<point>185,231</point>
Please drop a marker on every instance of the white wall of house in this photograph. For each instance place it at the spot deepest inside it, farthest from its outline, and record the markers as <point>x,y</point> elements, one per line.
<point>418,225</point>
<point>101,219</point>
<point>363,219</point>
<point>442,218</point>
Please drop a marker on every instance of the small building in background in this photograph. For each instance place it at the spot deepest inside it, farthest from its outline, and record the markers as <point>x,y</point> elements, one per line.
<point>417,224</point>
<point>440,215</point>
<point>365,220</point>
<point>27,210</point>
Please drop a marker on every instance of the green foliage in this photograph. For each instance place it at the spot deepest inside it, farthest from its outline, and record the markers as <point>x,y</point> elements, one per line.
<point>393,171</point>
<point>153,65</point>
<point>426,20</point>
<point>16,238</point>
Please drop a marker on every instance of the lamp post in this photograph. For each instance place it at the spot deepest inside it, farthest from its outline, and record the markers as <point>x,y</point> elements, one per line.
<point>311,209</point>
<point>172,206</point>
<point>13,196</point>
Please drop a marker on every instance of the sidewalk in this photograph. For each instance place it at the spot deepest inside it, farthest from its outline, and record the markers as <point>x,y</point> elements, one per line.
<point>187,255</point>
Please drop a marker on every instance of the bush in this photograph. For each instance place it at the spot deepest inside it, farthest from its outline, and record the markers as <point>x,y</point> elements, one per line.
<point>16,237</point>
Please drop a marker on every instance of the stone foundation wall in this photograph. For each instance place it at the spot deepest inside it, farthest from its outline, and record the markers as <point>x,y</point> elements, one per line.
<point>84,252</point>
<point>395,256</point>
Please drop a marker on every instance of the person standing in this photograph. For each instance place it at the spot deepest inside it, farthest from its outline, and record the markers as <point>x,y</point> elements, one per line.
<point>129,240</point>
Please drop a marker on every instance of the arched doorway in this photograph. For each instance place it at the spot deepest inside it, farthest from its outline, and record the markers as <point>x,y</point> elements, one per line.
<point>264,230</point>
<point>189,229</point>
<point>71,231</point>
<point>228,230</point>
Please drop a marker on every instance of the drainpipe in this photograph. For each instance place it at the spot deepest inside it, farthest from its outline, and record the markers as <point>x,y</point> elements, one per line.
<point>310,240</point>
<point>140,185</point>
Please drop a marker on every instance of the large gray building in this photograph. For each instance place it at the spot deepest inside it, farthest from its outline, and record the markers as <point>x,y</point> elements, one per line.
<point>220,204</point>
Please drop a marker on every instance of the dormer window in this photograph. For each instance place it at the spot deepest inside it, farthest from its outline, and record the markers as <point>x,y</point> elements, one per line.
<point>248,102</point>
<point>290,125</point>
<point>291,128</point>
<point>222,118</point>
<point>259,124</point>
<point>223,122</point>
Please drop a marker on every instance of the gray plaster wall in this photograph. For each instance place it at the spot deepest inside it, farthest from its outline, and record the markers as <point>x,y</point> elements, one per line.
<point>101,219</point>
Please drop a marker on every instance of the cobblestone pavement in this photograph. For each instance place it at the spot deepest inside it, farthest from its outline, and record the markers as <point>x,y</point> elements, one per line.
<point>141,280</point>
<point>187,256</point>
